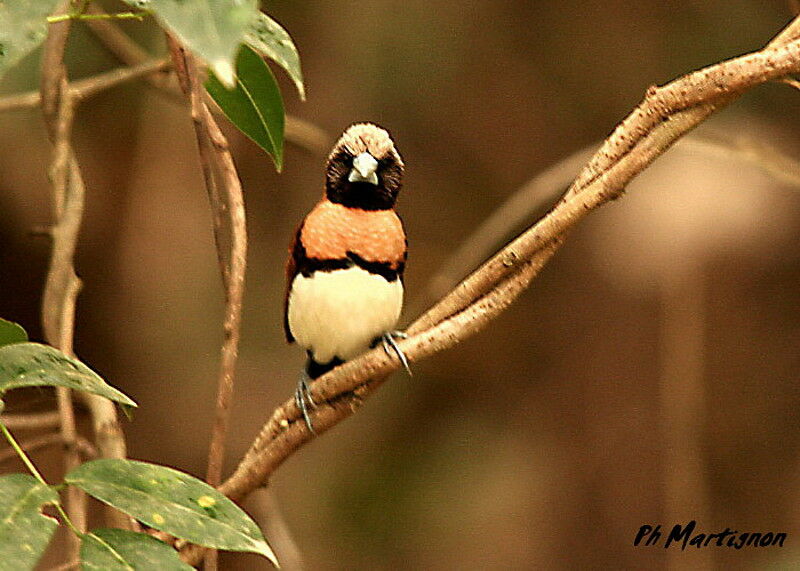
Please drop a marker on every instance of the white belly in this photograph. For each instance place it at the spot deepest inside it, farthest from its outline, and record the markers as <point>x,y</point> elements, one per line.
<point>339,313</point>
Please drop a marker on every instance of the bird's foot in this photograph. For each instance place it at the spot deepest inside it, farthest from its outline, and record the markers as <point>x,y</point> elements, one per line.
<point>389,342</point>
<point>303,400</point>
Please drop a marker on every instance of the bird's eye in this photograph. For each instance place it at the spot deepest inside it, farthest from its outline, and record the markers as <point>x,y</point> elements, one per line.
<point>343,158</point>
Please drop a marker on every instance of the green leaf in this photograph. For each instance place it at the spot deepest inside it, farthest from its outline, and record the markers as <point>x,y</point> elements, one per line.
<point>24,530</point>
<point>36,365</point>
<point>255,105</point>
<point>268,38</point>
<point>23,26</point>
<point>10,333</point>
<point>171,501</point>
<point>112,549</point>
<point>211,29</point>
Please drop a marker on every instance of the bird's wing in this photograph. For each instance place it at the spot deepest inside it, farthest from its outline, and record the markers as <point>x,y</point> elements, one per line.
<point>295,254</point>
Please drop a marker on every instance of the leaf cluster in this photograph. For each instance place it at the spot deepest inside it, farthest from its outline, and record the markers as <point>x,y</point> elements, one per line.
<point>162,498</point>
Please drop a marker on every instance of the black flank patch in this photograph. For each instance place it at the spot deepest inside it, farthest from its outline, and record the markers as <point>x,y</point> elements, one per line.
<point>383,269</point>
<point>315,369</point>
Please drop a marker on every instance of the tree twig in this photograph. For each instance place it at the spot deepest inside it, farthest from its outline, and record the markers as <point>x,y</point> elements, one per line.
<point>189,82</point>
<point>717,85</point>
<point>220,173</point>
<point>263,507</point>
<point>83,446</point>
<point>62,285</point>
<point>120,44</point>
<point>665,115</point>
<point>19,421</point>
<point>85,88</point>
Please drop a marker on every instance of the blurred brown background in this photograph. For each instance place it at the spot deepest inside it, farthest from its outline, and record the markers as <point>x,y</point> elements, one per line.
<point>548,439</point>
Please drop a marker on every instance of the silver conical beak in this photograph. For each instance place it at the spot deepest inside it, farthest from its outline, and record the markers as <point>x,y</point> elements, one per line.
<point>365,169</point>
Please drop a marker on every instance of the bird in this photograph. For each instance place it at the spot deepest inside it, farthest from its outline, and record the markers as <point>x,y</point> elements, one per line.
<point>344,276</point>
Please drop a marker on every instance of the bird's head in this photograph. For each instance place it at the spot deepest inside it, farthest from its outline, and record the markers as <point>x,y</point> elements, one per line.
<point>364,169</point>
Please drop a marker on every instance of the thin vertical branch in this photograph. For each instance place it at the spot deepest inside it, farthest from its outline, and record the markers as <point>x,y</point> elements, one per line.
<point>62,285</point>
<point>220,172</point>
<point>228,214</point>
<point>234,293</point>
<point>186,70</point>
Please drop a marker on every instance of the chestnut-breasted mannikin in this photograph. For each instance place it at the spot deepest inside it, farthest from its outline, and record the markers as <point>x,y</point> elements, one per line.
<point>344,286</point>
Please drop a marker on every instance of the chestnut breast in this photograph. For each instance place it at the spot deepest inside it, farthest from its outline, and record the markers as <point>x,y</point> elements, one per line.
<point>332,230</point>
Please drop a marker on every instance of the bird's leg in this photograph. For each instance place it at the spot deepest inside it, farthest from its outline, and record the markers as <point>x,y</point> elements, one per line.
<point>389,342</point>
<point>303,400</point>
